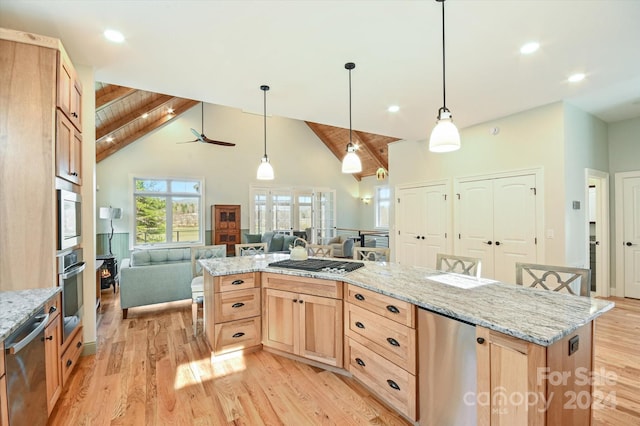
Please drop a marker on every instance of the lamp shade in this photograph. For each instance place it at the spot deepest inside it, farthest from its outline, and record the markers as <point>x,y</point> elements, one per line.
<point>445,136</point>
<point>351,163</point>
<point>110,213</point>
<point>265,171</point>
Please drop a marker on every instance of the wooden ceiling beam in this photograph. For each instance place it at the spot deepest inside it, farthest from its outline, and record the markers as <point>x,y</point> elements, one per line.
<point>110,94</point>
<point>109,128</point>
<point>113,147</point>
<point>378,159</point>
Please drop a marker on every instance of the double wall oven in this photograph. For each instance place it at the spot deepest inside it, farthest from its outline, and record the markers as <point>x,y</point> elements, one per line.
<point>70,263</point>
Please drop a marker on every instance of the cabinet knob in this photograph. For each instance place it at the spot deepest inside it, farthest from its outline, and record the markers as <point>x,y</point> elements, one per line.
<point>295,300</point>
<point>237,305</point>
<point>480,340</point>
<point>359,324</point>
<point>497,243</point>
<point>49,337</point>
<point>488,242</point>
<point>393,384</point>
<point>239,334</point>
<point>52,309</point>
<point>78,344</point>
<point>359,297</point>
<point>393,342</point>
<point>628,243</point>
<point>69,362</point>
<point>360,362</point>
<point>237,282</point>
<point>393,309</point>
<point>422,237</point>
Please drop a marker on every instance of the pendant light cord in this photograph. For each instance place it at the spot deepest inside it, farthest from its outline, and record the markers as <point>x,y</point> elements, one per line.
<point>444,85</point>
<point>265,122</point>
<point>350,140</point>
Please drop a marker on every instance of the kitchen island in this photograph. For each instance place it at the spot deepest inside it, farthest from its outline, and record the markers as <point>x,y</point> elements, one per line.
<point>523,335</point>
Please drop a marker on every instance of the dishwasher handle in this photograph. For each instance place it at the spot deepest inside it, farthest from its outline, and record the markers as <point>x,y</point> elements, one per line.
<point>14,348</point>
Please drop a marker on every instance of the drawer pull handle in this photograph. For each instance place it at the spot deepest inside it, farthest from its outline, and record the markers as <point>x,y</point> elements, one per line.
<point>295,300</point>
<point>240,334</point>
<point>360,362</point>
<point>237,282</point>
<point>52,309</point>
<point>393,342</point>
<point>49,337</point>
<point>393,309</point>
<point>69,362</point>
<point>359,297</point>
<point>78,344</point>
<point>393,384</point>
<point>237,305</point>
<point>359,324</point>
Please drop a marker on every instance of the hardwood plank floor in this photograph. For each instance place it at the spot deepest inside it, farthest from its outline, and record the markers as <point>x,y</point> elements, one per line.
<point>150,370</point>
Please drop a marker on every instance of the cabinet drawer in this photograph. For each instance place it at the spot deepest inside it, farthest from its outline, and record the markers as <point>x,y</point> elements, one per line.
<point>394,341</point>
<point>236,335</point>
<point>304,285</point>
<point>387,380</point>
<point>235,282</point>
<point>234,305</point>
<point>70,356</point>
<point>394,309</point>
<point>53,306</point>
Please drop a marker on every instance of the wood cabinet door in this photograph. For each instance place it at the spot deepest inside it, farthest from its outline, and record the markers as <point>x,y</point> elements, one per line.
<point>52,361</point>
<point>68,146</point>
<point>320,329</point>
<point>280,324</point>
<point>510,390</point>
<point>4,403</point>
<point>69,96</point>
<point>226,226</point>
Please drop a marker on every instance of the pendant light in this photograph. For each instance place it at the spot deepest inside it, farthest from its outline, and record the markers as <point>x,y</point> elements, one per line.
<point>445,136</point>
<point>351,162</point>
<point>265,171</point>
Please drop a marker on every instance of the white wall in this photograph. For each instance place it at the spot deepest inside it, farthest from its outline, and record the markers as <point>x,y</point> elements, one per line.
<point>298,157</point>
<point>533,138</point>
<point>585,147</point>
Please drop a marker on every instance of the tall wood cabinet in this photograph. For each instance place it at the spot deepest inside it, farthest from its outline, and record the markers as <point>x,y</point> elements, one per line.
<point>225,220</point>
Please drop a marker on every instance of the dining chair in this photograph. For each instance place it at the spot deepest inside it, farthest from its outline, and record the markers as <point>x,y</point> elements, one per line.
<point>464,265</point>
<point>376,254</point>
<point>197,281</point>
<point>320,250</point>
<point>251,249</point>
<point>576,281</point>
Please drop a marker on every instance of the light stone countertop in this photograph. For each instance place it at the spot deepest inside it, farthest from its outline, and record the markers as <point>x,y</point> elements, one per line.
<point>538,316</point>
<point>17,306</point>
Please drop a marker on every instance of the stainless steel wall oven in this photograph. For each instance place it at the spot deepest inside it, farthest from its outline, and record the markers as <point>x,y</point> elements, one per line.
<point>70,270</point>
<point>69,219</point>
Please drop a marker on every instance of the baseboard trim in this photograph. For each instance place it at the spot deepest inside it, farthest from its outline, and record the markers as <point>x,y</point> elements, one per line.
<point>90,348</point>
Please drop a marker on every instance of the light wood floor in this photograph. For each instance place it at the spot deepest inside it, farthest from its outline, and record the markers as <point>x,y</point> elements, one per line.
<point>150,370</point>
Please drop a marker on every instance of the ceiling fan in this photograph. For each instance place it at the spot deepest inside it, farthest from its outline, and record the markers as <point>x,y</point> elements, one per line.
<point>200,137</point>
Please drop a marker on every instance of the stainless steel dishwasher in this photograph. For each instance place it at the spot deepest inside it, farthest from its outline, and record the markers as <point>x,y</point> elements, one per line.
<point>447,370</point>
<point>26,374</point>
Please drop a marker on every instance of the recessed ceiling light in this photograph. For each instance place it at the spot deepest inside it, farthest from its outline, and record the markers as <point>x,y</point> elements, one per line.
<point>169,110</point>
<point>393,108</point>
<point>145,115</point>
<point>576,77</point>
<point>114,36</point>
<point>109,139</point>
<point>529,48</point>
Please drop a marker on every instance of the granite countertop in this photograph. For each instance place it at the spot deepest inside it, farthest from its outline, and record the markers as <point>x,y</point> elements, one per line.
<point>538,316</point>
<point>17,306</point>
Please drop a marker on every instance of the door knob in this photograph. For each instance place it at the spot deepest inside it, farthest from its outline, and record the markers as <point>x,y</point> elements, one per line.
<point>488,242</point>
<point>497,243</point>
<point>628,243</point>
<point>417,237</point>
<point>422,237</point>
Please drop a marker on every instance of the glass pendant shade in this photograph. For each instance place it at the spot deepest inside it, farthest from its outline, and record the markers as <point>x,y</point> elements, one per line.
<point>445,136</point>
<point>351,162</point>
<point>265,171</point>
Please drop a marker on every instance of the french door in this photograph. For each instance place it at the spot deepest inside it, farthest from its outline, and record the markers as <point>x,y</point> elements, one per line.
<point>628,239</point>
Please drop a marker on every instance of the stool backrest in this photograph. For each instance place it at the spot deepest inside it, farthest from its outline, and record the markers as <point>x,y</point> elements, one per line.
<point>464,265</point>
<point>576,281</point>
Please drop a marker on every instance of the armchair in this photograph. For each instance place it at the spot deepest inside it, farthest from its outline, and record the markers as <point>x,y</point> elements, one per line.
<point>342,246</point>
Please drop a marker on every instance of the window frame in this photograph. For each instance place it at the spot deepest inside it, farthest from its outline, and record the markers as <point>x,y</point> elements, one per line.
<point>200,196</point>
<point>377,200</point>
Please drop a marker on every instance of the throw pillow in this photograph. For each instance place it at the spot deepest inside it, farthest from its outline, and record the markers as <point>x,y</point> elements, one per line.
<point>252,238</point>
<point>159,255</point>
<point>140,258</point>
<point>288,242</point>
<point>174,255</point>
<point>335,240</point>
<point>276,243</point>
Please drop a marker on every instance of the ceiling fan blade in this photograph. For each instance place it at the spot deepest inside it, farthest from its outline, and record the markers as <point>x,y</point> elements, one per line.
<point>195,140</point>
<point>211,141</point>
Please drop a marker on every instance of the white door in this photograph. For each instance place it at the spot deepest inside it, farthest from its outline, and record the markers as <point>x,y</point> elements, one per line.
<point>475,222</point>
<point>497,223</point>
<point>514,225</point>
<point>435,224</point>
<point>409,226</point>
<point>631,237</point>
<point>422,224</point>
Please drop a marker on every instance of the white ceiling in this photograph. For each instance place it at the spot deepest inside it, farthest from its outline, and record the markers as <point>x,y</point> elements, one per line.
<point>222,51</point>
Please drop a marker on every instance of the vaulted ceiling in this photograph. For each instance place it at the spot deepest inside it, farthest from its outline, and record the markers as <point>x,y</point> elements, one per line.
<point>124,115</point>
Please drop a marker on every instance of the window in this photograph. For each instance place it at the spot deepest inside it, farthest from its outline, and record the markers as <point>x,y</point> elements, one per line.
<point>286,209</point>
<point>168,211</point>
<point>382,202</point>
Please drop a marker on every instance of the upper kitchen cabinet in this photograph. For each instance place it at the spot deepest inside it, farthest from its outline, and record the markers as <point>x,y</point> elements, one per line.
<point>68,150</point>
<point>69,91</point>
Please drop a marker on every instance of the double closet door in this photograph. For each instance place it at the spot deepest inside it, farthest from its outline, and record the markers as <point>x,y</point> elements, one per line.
<point>496,222</point>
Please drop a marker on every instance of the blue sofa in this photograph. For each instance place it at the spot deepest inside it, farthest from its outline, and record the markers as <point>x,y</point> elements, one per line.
<point>276,242</point>
<point>155,276</point>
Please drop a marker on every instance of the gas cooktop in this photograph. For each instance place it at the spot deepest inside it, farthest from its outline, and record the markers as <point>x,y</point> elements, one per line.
<point>318,265</point>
